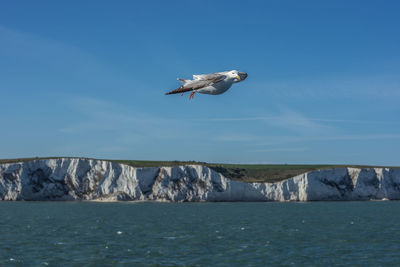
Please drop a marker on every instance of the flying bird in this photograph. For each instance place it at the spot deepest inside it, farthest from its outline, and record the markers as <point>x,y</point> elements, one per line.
<point>212,84</point>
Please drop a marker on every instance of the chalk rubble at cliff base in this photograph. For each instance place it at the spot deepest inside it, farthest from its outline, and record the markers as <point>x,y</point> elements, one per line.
<point>86,179</point>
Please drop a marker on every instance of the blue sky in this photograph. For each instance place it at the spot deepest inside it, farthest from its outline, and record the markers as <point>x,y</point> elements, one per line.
<point>87,78</point>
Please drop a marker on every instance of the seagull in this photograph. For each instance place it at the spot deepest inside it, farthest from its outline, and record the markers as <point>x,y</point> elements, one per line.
<point>212,84</point>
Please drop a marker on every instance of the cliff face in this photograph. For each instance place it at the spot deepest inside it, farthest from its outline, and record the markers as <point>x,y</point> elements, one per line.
<point>83,179</point>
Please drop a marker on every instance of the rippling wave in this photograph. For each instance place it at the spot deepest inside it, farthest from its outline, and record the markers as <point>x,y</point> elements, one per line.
<point>199,234</point>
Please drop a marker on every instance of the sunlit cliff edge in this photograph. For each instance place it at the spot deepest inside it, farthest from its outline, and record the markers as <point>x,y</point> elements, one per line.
<point>89,179</point>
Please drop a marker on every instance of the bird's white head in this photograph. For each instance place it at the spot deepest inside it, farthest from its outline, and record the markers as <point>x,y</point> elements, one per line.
<point>236,75</point>
<point>233,74</point>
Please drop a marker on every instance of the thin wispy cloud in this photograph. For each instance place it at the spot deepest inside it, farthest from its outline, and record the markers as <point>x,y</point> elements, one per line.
<point>296,130</point>
<point>236,137</point>
<point>277,118</point>
<point>47,52</point>
<point>66,65</point>
<point>378,136</point>
<point>287,121</point>
<point>100,115</point>
<point>293,149</point>
<point>362,86</point>
<point>279,140</point>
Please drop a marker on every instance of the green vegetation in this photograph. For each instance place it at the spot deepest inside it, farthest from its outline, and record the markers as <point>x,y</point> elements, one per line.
<point>238,172</point>
<point>264,172</point>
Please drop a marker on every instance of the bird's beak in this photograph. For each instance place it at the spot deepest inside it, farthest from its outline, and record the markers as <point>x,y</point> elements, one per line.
<point>241,76</point>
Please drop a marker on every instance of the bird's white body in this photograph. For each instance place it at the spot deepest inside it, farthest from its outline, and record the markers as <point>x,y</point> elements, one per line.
<point>212,84</point>
<point>217,88</point>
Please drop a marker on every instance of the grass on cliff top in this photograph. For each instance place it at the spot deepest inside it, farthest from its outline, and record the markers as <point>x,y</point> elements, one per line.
<point>238,172</point>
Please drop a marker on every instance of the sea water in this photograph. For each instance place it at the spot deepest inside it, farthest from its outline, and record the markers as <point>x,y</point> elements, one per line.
<point>199,234</point>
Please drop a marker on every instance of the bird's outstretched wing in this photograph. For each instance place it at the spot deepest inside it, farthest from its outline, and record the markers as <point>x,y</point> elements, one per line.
<point>207,76</point>
<point>199,81</point>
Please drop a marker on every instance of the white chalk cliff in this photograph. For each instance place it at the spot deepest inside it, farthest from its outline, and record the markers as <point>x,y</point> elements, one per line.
<point>85,179</point>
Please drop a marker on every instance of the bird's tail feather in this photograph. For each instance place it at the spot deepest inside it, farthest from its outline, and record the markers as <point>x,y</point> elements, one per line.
<point>183,81</point>
<point>179,90</point>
